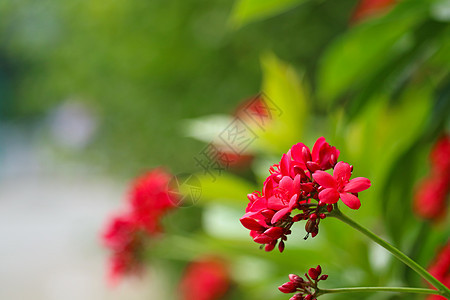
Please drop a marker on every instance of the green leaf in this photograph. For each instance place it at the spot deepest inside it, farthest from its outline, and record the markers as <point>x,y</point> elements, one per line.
<point>365,49</point>
<point>284,87</point>
<point>225,188</point>
<point>246,11</point>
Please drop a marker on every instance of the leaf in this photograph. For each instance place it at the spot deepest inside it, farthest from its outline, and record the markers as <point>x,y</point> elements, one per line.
<point>226,188</point>
<point>366,49</point>
<point>246,11</point>
<point>283,86</point>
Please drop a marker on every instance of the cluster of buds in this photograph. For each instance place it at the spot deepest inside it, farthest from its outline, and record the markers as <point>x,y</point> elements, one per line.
<point>306,289</point>
<point>125,234</point>
<point>300,182</point>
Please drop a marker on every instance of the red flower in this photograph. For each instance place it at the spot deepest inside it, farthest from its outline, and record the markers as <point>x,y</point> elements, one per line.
<point>430,198</point>
<point>339,185</point>
<point>205,279</point>
<point>440,269</point>
<point>122,238</point>
<point>440,156</point>
<point>368,8</point>
<point>150,199</point>
<point>290,186</point>
<point>323,156</point>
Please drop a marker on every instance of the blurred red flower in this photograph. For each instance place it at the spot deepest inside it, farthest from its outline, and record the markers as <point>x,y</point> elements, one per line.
<point>151,199</point>
<point>368,8</point>
<point>121,236</point>
<point>430,198</point>
<point>205,279</point>
<point>440,269</point>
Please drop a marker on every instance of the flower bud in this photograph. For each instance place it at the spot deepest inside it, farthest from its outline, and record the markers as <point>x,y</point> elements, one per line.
<point>308,297</point>
<point>270,246</point>
<point>314,273</point>
<point>287,288</point>
<point>310,225</point>
<point>322,216</point>
<point>329,207</point>
<point>281,246</point>
<point>323,277</point>
<point>312,216</point>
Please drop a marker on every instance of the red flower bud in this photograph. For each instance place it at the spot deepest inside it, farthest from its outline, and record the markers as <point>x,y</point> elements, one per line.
<point>323,277</point>
<point>287,288</point>
<point>313,273</point>
<point>281,246</point>
<point>329,207</point>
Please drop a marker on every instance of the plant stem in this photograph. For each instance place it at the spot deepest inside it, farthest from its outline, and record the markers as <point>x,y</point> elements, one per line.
<point>379,289</point>
<point>397,253</point>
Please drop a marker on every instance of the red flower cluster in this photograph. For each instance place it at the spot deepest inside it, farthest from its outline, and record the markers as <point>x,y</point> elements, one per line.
<point>205,279</point>
<point>441,269</point>
<point>124,235</point>
<point>307,288</point>
<point>300,182</point>
<point>430,199</point>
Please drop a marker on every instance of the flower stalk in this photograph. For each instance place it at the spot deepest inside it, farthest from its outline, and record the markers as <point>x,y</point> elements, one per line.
<point>442,289</point>
<point>380,289</point>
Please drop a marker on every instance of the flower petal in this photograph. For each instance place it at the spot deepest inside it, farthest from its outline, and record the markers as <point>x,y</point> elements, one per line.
<point>357,185</point>
<point>329,196</point>
<point>251,224</point>
<point>297,152</point>
<point>284,164</point>
<point>286,183</point>
<point>279,214</point>
<point>275,203</point>
<point>316,148</point>
<point>325,179</point>
<point>342,171</point>
<point>350,200</point>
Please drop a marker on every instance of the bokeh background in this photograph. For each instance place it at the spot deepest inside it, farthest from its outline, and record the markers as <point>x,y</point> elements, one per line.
<point>92,93</point>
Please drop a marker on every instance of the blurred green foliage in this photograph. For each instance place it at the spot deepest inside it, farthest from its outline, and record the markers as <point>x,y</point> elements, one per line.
<point>378,90</point>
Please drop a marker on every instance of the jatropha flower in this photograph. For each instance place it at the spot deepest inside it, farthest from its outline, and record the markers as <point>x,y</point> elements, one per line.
<point>441,269</point>
<point>125,234</point>
<point>207,278</point>
<point>431,195</point>
<point>122,237</point>
<point>150,199</point>
<point>307,288</point>
<point>299,182</point>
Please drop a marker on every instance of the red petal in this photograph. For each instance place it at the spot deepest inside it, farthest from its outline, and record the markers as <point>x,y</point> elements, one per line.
<point>329,196</point>
<point>284,164</point>
<point>350,200</point>
<point>274,232</point>
<point>296,151</point>
<point>357,185</point>
<point>325,179</point>
<point>316,148</point>
<point>286,183</point>
<point>251,224</point>
<point>279,214</point>
<point>342,171</point>
<point>275,203</point>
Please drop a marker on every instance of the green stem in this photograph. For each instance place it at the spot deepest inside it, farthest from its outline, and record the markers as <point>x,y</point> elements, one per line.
<point>379,289</point>
<point>397,253</point>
